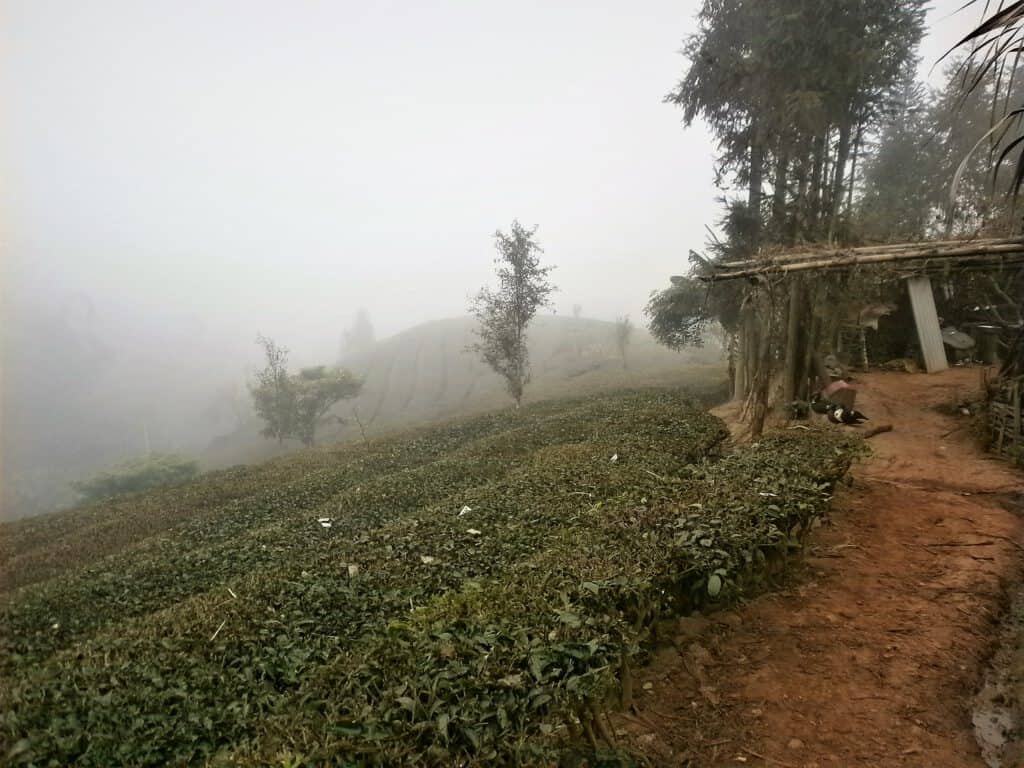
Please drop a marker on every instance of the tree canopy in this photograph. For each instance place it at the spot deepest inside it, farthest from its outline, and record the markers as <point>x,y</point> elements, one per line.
<point>793,91</point>
<point>295,405</point>
<point>505,312</point>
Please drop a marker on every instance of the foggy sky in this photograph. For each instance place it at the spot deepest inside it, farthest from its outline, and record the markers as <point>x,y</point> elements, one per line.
<point>269,165</point>
<point>179,176</point>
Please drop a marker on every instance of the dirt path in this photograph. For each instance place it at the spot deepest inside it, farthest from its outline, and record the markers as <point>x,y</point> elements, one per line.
<point>870,655</point>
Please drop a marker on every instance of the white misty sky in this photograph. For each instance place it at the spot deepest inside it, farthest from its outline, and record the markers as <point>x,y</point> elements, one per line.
<point>202,171</point>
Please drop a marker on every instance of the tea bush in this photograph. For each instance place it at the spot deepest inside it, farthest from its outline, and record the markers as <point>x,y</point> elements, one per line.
<point>137,475</point>
<point>479,595</point>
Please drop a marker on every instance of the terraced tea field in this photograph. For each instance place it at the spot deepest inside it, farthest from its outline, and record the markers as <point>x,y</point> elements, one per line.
<point>473,593</point>
<point>425,374</point>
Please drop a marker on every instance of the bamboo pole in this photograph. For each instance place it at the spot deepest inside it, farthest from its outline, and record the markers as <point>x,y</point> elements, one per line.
<point>995,254</point>
<point>937,245</point>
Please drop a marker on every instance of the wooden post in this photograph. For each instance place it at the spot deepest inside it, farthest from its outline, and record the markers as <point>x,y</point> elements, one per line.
<point>929,335</point>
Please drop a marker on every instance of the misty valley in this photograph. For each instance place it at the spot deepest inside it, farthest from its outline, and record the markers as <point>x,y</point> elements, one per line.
<point>477,384</point>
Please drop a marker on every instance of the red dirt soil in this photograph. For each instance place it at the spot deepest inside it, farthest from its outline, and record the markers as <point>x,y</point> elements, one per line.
<point>870,654</point>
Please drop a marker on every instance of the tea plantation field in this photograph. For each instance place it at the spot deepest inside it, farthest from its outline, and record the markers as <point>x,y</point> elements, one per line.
<point>469,594</point>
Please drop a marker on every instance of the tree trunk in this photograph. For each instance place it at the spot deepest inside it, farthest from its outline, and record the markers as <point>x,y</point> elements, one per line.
<point>853,170</point>
<point>814,201</point>
<point>826,186</point>
<point>739,388</point>
<point>842,155</point>
<point>801,206</point>
<point>792,347</point>
<point>764,321</point>
<point>755,184</point>
<point>810,349</point>
<point>730,357</point>
<point>753,349</point>
<point>779,191</point>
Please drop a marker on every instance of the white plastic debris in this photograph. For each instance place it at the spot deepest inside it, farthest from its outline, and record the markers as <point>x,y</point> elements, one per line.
<point>464,510</point>
<point>353,570</point>
<point>768,493</point>
<point>472,531</point>
<point>427,559</point>
<point>325,525</point>
<point>323,519</point>
<point>614,458</point>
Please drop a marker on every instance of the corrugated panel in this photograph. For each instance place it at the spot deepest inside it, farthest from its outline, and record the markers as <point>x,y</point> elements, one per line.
<point>929,334</point>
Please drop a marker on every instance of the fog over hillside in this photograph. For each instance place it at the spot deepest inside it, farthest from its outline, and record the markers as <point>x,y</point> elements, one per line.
<point>428,373</point>
<point>476,383</point>
<point>181,178</point>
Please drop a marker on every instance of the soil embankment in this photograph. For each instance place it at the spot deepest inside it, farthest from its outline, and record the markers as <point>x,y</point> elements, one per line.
<point>872,653</point>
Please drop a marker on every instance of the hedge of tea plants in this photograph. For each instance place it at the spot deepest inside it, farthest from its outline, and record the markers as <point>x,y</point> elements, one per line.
<point>475,594</point>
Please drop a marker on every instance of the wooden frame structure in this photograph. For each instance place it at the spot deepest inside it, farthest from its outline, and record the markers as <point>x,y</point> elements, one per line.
<point>916,262</point>
<point>910,258</point>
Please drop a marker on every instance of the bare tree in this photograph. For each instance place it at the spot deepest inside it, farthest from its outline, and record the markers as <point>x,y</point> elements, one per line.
<point>504,313</point>
<point>272,394</point>
<point>623,332</point>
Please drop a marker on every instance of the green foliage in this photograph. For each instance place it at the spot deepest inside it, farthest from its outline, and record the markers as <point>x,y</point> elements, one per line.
<point>792,91</point>
<point>679,316</point>
<point>899,198</point>
<point>931,140</point>
<point>479,588</point>
<point>909,181</point>
<point>990,68</point>
<point>136,475</point>
<point>505,313</point>
<point>316,390</point>
<point>787,86</point>
<point>295,405</point>
<point>272,396</point>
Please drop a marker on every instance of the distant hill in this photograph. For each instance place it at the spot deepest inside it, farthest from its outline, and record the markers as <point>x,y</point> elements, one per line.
<point>426,374</point>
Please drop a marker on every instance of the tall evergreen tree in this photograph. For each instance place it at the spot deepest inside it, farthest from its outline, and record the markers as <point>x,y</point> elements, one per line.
<point>791,89</point>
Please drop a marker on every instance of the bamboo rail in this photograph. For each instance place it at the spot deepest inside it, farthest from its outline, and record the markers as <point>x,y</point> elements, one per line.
<point>818,253</point>
<point>978,254</point>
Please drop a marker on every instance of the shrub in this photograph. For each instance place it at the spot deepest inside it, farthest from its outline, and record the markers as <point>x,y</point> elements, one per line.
<point>137,475</point>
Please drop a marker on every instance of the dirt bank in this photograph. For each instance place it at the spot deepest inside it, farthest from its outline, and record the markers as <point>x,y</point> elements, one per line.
<point>871,654</point>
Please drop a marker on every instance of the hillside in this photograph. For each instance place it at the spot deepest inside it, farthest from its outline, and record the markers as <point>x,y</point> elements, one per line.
<point>426,374</point>
<point>471,593</point>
